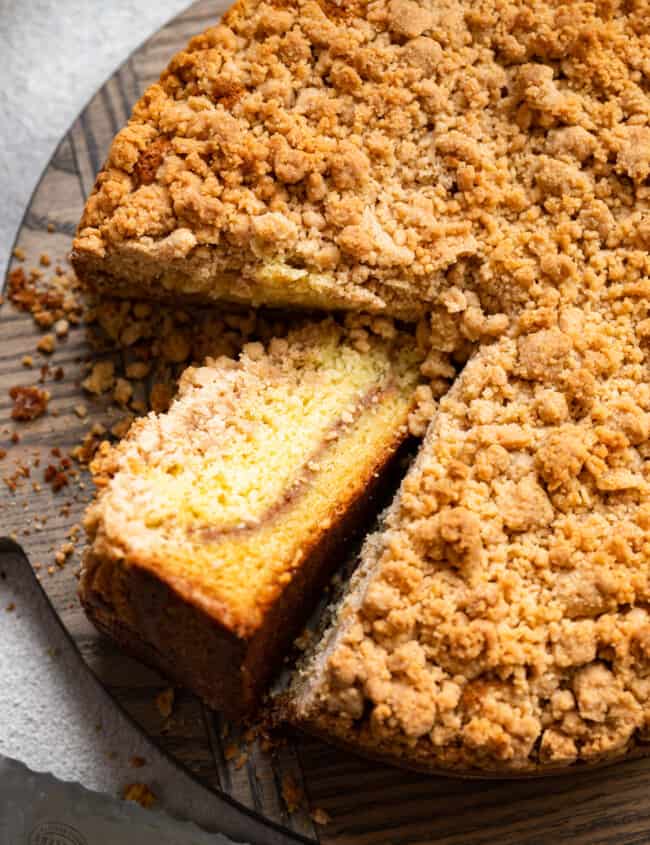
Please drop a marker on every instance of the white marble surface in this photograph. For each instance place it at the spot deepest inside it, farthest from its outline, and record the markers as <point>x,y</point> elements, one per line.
<point>54,54</point>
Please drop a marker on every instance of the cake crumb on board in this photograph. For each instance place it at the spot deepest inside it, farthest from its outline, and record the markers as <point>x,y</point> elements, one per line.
<point>165,702</point>
<point>139,793</point>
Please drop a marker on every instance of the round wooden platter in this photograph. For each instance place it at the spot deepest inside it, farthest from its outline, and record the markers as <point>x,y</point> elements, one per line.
<point>368,804</point>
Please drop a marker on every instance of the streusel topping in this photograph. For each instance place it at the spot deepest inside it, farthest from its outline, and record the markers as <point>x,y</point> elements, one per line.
<point>503,621</point>
<point>385,142</point>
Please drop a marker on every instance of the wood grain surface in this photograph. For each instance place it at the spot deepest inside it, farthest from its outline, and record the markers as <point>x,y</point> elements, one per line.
<point>369,804</point>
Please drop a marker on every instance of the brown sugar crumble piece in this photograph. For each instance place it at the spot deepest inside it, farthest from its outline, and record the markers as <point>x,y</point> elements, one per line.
<point>320,816</point>
<point>292,793</point>
<point>61,328</point>
<point>46,344</point>
<point>57,475</point>
<point>160,397</point>
<point>63,553</point>
<point>85,451</point>
<point>165,702</point>
<point>101,378</point>
<point>47,298</point>
<point>140,793</point>
<point>29,402</point>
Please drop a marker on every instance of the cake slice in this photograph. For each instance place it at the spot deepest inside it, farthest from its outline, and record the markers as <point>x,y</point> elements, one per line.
<point>286,157</point>
<point>219,522</point>
<point>498,623</point>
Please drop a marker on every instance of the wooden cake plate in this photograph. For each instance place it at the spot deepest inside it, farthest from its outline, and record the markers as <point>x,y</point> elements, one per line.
<point>367,803</point>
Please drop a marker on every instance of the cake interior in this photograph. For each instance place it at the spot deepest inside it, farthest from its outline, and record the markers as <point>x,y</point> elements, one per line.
<point>231,488</point>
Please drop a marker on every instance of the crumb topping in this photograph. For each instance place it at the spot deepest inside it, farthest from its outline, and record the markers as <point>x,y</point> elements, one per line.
<point>383,143</point>
<point>140,793</point>
<point>503,622</point>
<point>497,620</point>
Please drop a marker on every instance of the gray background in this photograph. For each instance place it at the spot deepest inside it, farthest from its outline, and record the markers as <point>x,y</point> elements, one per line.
<point>54,54</point>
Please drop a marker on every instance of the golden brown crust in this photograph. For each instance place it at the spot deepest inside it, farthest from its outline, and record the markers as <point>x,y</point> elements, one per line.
<point>152,622</point>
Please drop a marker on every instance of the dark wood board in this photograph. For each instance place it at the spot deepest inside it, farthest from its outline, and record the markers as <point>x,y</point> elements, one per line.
<point>369,804</point>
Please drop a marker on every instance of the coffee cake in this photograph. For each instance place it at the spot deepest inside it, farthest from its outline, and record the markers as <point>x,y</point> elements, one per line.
<point>482,167</point>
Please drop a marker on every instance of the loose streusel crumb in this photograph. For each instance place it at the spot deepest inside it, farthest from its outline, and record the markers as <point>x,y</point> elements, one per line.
<point>140,793</point>
<point>61,328</point>
<point>101,378</point>
<point>122,392</point>
<point>64,552</point>
<point>48,298</point>
<point>29,402</point>
<point>46,344</point>
<point>160,397</point>
<point>292,793</point>
<point>165,702</point>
